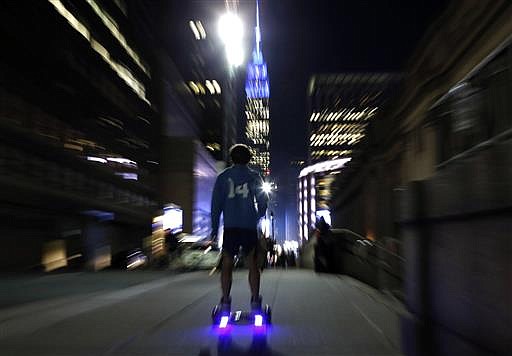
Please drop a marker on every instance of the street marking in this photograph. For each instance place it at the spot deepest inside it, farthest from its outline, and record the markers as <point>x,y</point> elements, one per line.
<point>367,318</point>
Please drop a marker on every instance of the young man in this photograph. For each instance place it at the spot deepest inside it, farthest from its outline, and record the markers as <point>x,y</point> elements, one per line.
<point>238,195</point>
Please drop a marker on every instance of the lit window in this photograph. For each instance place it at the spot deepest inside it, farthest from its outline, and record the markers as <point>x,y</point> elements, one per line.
<point>202,32</point>
<point>123,72</point>
<point>194,29</point>
<point>102,51</point>
<point>73,21</point>
<point>216,86</point>
<point>122,6</point>
<point>194,87</point>
<point>201,88</point>
<point>113,27</point>
<point>210,87</point>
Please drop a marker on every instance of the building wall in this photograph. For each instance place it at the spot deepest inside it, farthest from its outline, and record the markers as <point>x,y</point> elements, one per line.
<point>408,140</point>
<point>444,150</point>
<point>177,183</point>
<point>205,174</point>
<point>340,107</point>
<point>188,174</point>
<point>64,98</point>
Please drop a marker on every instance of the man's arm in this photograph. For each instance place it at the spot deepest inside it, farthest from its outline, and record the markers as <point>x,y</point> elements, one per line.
<point>217,204</point>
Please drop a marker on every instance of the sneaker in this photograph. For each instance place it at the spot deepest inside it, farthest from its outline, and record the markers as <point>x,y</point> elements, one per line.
<point>256,304</point>
<point>225,305</point>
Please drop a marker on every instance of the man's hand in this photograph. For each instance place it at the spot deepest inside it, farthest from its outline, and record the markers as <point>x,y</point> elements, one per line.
<point>213,239</point>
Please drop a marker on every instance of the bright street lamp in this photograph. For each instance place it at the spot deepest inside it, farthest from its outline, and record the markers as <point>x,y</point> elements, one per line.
<point>231,32</point>
<point>266,187</point>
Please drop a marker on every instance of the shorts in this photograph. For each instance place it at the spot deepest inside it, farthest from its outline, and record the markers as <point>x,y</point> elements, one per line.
<point>235,237</point>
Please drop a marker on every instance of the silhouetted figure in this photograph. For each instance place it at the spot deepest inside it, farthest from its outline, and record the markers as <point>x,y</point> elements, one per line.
<point>323,247</point>
<point>234,194</point>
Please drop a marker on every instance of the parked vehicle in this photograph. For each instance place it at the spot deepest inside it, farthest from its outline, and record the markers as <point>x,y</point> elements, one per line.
<point>130,259</point>
<point>194,256</point>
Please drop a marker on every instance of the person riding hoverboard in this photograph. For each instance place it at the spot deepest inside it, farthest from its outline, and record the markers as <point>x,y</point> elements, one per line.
<point>238,195</point>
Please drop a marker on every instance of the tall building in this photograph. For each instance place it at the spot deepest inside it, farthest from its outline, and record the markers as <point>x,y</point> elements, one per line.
<point>314,194</point>
<point>257,111</point>
<point>340,107</point>
<point>194,104</point>
<point>285,213</point>
<point>190,32</point>
<point>78,145</point>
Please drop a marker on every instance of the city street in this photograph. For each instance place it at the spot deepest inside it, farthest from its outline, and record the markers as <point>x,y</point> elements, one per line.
<point>360,149</point>
<point>158,313</point>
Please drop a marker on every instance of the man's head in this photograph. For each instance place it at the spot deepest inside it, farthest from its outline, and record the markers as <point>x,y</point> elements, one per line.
<point>240,154</point>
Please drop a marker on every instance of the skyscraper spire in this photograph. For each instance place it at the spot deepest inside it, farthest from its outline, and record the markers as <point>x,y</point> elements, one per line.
<point>257,29</point>
<point>257,128</point>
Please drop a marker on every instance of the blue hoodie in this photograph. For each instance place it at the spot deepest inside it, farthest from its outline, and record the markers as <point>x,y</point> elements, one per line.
<point>239,196</point>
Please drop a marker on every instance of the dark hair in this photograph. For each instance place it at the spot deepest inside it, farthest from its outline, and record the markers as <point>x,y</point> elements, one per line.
<point>240,154</point>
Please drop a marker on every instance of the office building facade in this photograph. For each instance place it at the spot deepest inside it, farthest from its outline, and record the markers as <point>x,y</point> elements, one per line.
<point>340,107</point>
<point>78,157</point>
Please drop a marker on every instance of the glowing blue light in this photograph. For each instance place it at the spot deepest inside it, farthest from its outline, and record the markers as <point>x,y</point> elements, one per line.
<point>256,84</point>
<point>101,215</point>
<point>258,320</point>
<point>224,322</point>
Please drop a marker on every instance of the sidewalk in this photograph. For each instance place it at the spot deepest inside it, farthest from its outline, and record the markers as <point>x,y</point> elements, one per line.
<point>19,289</point>
<point>381,309</point>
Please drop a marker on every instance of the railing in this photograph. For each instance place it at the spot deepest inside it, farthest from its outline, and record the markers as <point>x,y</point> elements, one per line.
<point>377,263</point>
<point>502,137</point>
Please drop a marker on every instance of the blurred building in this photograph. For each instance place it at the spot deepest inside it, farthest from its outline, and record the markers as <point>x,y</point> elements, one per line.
<point>314,194</point>
<point>433,177</point>
<point>257,110</point>
<point>340,107</point>
<point>79,149</point>
<point>111,110</point>
<point>194,96</point>
<point>189,30</point>
<point>286,216</point>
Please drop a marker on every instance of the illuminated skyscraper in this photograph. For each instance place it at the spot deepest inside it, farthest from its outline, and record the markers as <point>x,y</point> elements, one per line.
<point>257,111</point>
<point>341,106</point>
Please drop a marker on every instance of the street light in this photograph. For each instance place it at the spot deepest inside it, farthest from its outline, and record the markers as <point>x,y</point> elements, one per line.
<point>268,221</point>
<point>231,32</point>
<point>266,187</point>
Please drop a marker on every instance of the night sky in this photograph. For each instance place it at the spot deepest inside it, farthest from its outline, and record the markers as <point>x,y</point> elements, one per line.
<point>303,37</point>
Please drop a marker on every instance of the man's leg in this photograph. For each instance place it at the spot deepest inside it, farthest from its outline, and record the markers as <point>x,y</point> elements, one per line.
<point>254,274</point>
<point>226,276</point>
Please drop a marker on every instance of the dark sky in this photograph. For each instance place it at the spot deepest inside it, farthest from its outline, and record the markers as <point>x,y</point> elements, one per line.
<point>303,37</point>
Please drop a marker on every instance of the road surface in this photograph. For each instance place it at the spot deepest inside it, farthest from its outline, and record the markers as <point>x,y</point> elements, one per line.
<point>158,313</point>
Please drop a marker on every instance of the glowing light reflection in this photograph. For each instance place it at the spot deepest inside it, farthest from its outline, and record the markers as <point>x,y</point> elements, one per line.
<point>224,322</point>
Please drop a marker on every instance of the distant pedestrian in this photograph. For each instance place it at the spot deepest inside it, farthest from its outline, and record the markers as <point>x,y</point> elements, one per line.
<point>323,247</point>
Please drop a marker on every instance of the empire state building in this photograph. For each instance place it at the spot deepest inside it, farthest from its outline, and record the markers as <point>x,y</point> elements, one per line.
<point>257,131</point>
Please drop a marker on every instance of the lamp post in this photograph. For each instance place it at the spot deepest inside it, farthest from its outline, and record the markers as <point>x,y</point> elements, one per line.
<point>272,222</point>
<point>231,32</point>
<point>267,187</point>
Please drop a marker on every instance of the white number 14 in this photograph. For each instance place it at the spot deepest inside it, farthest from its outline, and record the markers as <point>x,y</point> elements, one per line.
<point>242,189</point>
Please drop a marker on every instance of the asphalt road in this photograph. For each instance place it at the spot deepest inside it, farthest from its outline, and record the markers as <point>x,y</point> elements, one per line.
<point>157,313</point>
